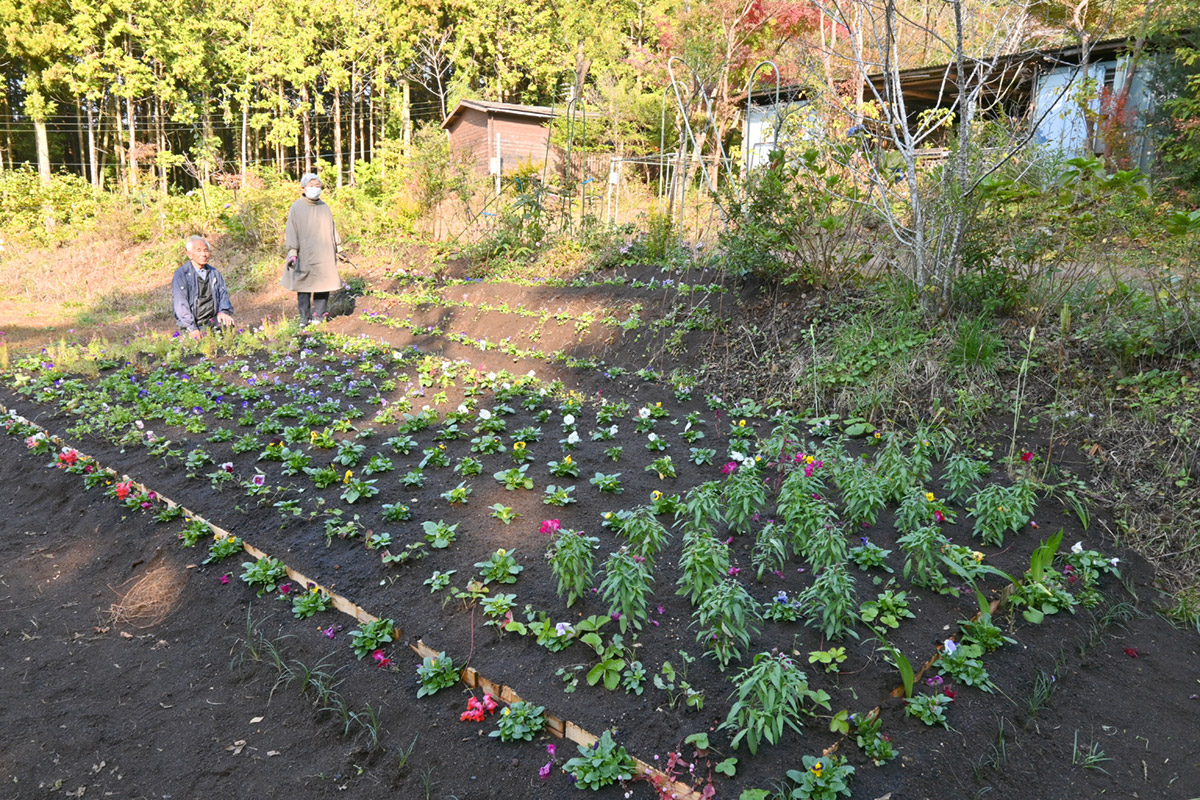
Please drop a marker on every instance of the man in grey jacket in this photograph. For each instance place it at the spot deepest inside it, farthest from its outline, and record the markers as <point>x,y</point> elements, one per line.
<point>198,292</point>
<point>313,251</point>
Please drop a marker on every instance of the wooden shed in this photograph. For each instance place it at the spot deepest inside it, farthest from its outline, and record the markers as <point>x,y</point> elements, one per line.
<point>500,136</point>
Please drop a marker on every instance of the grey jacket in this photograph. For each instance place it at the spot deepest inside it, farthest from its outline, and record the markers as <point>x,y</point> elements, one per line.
<point>185,291</point>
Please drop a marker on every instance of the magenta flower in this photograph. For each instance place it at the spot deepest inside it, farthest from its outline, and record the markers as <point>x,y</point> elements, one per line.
<point>551,749</point>
<point>550,527</point>
<point>729,468</point>
<point>259,480</point>
<point>544,772</point>
<point>224,579</point>
<point>381,659</point>
<point>734,571</point>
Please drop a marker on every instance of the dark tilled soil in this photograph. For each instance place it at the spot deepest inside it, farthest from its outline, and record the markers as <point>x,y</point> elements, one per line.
<point>152,708</point>
<point>164,705</point>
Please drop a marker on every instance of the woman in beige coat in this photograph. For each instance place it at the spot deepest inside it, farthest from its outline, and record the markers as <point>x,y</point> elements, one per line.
<point>313,251</point>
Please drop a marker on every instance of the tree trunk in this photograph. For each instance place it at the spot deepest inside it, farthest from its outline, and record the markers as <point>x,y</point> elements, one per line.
<point>245,136</point>
<point>353,121</point>
<point>279,106</point>
<point>130,112</point>
<point>83,171</point>
<point>305,126</point>
<point>337,134</point>
<point>93,163</point>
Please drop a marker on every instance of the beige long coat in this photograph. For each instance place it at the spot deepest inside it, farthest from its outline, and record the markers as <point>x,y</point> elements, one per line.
<point>311,237</point>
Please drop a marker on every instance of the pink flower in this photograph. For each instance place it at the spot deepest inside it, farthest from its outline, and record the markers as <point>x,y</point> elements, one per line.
<point>284,588</point>
<point>729,468</point>
<point>381,659</point>
<point>227,466</point>
<point>550,527</point>
<point>489,703</point>
<point>1131,652</point>
<point>939,516</point>
<point>551,750</point>
<point>259,480</point>
<point>544,772</point>
<point>734,571</point>
<point>224,579</point>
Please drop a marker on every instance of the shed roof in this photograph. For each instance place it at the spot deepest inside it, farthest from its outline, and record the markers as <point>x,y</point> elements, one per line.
<point>533,113</point>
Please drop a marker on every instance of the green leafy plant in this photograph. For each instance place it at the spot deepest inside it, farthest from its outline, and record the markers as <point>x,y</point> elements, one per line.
<point>356,489</point>
<point>571,562</point>
<point>459,494</point>
<point>607,483</point>
<point>829,602</point>
<point>396,512</point>
<point>745,496</point>
<point>558,495</point>
<point>439,534</point>
<point>823,778</point>
<point>998,510</point>
<point>831,659</point>
<point>704,562</point>
<point>504,513</point>
<point>675,684</point>
<point>626,587</point>
<point>600,764</point>
<point>929,708</point>
<point>567,468</point>
<point>520,722</point>
<point>306,604</point>
<point>266,573</point>
<point>436,673</point>
<point>726,620</point>
<point>771,695</point>
<point>501,567</point>
<point>515,478</point>
<point>439,580</point>
<point>960,475</point>
<point>963,663</point>
<point>222,549</point>
<point>887,609</point>
<point>369,636</point>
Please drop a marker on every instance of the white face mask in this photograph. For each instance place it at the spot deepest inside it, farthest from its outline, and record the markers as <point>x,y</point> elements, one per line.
<point>312,192</point>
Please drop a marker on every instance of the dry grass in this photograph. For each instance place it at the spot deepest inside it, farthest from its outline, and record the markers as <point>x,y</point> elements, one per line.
<point>150,599</point>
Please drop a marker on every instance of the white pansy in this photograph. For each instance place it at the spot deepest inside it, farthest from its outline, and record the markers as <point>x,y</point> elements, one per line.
<point>485,414</point>
<point>573,438</point>
<point>1077,547</point>
<point>569,419</point>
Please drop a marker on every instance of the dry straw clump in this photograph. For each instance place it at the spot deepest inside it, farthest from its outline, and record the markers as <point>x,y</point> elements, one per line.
<point>151,598</point>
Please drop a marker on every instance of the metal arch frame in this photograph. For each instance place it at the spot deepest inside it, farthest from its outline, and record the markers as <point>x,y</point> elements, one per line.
<point>778,123</point>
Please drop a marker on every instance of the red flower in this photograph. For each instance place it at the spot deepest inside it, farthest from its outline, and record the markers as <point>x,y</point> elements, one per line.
<point>474,712</point>
<point>122,490</point>
<point>1131,652</point>
<point>381,659</point>
<point>950,693</point>
<point>939,516</point>
<point>1027,456</point>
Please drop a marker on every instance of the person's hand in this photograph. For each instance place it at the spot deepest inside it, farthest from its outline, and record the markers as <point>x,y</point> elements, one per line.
<point>196,334</point>
<point>225,319</point>
<point>290,263</point>
<point>342,257</point>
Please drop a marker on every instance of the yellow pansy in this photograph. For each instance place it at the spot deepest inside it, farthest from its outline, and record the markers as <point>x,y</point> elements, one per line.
<point>741,423</point>
<point>518,445</point>
<point>656,495</point>
<point>567,460</point>
<point>818,769</point>
<point>349,475</point>
<point>929,496</point>
<point>978,556</point>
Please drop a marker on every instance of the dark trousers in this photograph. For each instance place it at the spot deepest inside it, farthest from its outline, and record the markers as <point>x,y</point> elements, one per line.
<point>319,304</point>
